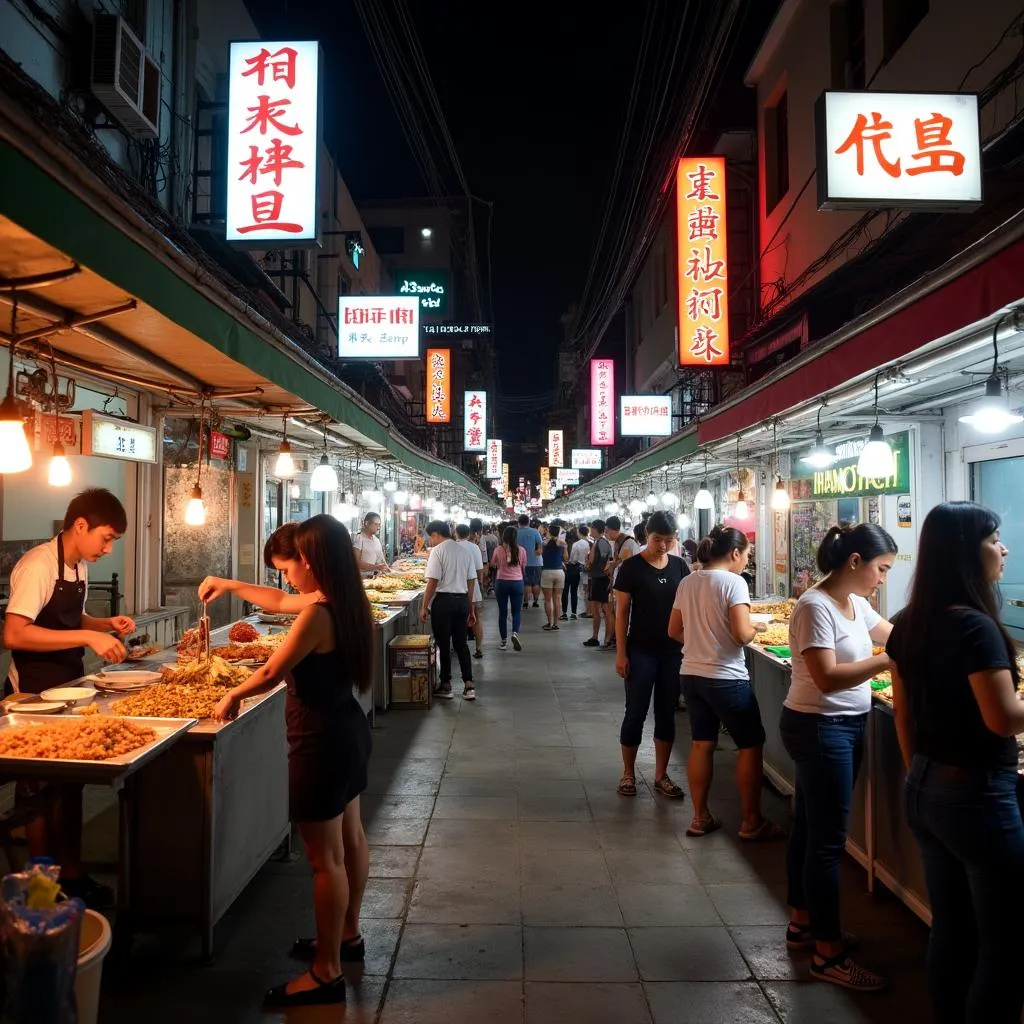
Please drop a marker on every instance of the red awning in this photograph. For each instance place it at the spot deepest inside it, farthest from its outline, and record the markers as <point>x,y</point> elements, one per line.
<point>974,295</point>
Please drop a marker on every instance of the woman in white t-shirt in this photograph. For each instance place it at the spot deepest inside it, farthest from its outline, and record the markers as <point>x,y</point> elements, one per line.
<point>831,635</point>
<point>711,616</point>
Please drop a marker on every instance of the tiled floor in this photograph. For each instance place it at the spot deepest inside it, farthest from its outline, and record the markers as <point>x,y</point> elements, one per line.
<point>511,883</point>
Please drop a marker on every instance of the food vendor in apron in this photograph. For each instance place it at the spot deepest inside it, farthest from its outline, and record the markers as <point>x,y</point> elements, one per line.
<point>43,604</point>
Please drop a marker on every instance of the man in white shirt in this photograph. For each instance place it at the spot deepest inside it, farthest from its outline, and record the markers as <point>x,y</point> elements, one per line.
<point>368,547</point>
<point>470,538</point>
<point>451,582</point>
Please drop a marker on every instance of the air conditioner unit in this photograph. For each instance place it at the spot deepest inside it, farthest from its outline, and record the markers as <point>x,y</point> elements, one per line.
<point>124,78</point>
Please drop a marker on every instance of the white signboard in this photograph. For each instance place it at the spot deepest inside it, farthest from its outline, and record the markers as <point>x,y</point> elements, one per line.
<point>645,415</point>
<point>476,421</point>
<point>493,459</point>
<point>273,135</point>
<point>378,327</point>
<point>586,458</point>
<point>113,438</point>
<point>568,477</point>
<point>556,451</point>
<point>897,149</point>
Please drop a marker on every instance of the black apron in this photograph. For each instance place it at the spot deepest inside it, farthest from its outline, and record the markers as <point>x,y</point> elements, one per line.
<point>40,670</point>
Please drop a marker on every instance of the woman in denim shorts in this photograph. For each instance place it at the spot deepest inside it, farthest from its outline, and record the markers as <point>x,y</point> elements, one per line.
<point>712,613</point>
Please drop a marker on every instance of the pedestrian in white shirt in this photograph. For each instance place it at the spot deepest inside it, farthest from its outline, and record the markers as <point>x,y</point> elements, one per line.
<point>368,547</point>
<point>451,582</point>
<point>578,549</point>
<point>467,539</point>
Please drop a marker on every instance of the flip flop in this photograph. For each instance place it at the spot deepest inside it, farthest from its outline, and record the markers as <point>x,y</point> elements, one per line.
<point>702,828</point>
<point>627,785</point>
<point>765,832</point>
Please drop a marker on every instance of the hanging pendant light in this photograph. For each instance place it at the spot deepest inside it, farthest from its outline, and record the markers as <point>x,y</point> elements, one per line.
<point>285,464</point>
<point>876,460</point>
<point>636,506</point>
<point>820,456</point>
<point>683,521</point>
<point>740,510</point>
<point>325,477</point>
<point>780,496</point>
<point>195,510</point>
<point>703,498</point>
<point>992,414</point>
<point>15,453</point>
<point>59,473</point>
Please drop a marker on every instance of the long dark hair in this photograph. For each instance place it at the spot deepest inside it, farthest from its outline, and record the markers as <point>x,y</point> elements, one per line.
<point>949,572</point>
<point>720,543</point>
<point>553,532</point>
<point>571,537</point>
<point>281,544</point>
<point>864,539</point>
<point>326,546</point>
<point>510,538</point>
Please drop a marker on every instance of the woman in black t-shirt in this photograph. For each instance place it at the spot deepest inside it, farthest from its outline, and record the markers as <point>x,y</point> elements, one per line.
<point>954,691</point>
<point>646,657</point>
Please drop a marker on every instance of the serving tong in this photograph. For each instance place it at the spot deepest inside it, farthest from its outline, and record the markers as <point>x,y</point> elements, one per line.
<point>204,632</point>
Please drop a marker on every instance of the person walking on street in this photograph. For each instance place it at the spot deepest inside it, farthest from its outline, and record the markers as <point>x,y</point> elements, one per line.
<point>831,635</point>
<point>711,618</point>
<point>957,714</point>
<point>647,657</point>
<point>577,550</point>
<point>451,581</point>
<point>552,579</point>
<point>600,581</point>
<point>465,536</point>
<point>509,564</point>
<point>530,538</point>
<point>585,534</point>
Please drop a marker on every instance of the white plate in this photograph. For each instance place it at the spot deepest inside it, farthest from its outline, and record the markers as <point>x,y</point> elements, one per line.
<point>760,617</point>
<point>69,694</point>
<point>40,707</point>
<point>139,677</point>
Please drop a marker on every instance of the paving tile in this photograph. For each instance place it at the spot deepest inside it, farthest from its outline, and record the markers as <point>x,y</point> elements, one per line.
<point>399,805</point>
<point>687,954</point>
<point>386,897</point>
<point>813,1003</point>
<point>749,904</point>
<point>476,808</point>
<point>578,954</point>
<point>570,906</point>
<point>764,949</point>
<point>537,807</point>
<point>552,789</point>
<point>710,1002</point>
<point>554,836</point>
<point>569,867</point>
<point>397,831</point>
<point>452,1002</point>
<point>666,905</point>
<point>415,785</point>
<point>719,862</point>
<point>458,831</point>
<point>393,861</point>
<point>553,1003</point>
<point>466,861</point>
<point>381,939</point>
<point>472,785</point>
<point>630,867</point>
<point>470,952</point>
<point>450,901</point>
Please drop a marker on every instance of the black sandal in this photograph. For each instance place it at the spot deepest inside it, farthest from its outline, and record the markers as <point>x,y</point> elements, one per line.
<point>352,950</point>
<point>325,993</point>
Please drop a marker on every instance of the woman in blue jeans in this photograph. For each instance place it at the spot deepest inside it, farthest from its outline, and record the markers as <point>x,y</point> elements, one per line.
<point>831,634</point>
<point>956,717</point>
<point>509,562</point>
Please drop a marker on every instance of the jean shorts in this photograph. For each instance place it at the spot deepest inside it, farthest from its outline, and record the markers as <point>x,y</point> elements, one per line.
<point>712,703</point>
<point>531,575</point>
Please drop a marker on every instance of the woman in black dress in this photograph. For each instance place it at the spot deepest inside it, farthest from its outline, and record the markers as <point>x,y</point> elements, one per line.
<point>329,651</point>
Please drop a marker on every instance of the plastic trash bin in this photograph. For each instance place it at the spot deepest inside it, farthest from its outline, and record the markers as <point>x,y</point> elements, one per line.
<point>93,946</point>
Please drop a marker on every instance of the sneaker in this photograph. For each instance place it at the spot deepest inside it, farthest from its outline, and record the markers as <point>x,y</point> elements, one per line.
<point>535,605</point>
<point>468,691</point>
<point>515,642</point>
<point>841,970</point>
<point>445,692</point>
<point>564,618</point>
<point>573,617</point>
<point>592,642</point>
<point>478,653</point>
<point>503,646</point>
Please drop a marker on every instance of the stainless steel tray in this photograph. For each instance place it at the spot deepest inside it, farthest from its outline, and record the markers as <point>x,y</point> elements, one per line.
<point>168,731</point>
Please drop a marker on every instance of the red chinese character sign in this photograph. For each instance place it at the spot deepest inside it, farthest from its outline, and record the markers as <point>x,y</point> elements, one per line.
<point>494,463</point>
<point>602,402</point>
<point>378,327</point>
<point>556,450</point>
<point>439,385</point>
<point>273,136</point>
<point>915,150</point>
<point>703,267</point>
<point>475,410</point>
<point>645,415</point>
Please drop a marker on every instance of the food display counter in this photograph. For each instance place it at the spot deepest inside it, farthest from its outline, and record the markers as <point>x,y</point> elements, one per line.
<point>397,598</point>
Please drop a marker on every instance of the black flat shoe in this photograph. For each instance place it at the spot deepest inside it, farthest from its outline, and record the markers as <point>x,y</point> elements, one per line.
<point>352,950</point>
<point>325,993</point>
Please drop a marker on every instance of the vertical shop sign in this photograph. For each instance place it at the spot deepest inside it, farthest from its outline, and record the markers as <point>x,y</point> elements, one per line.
<point>439,391</point>
<point>545,483</point>
<point>274,92</point>
<point>556,453</point>
<point>493,459</point>
<point>602,401</point>
<point>504,478</point>
<point>703,268</point>
<point>475,427</point>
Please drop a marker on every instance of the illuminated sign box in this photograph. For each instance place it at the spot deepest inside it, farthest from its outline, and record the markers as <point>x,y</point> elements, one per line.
<point>645,415</point>
<point>274,133</point>
<point>439,385</point>
<point>568,477</point>
<point>545,483</point>
<point>842,479</point>
<point>585,458</point>
<point>493,459</point>
<point>475,427</point>
<point>602,401</point>
<point>703,264</point>
<point>378,327</point>
<point>556,452</point>
<point>112,438</point>
<point>914,150</point>
<point>432,287</point>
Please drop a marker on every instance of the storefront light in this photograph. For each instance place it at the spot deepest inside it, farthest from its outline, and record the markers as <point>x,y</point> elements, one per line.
<point>612,507</point>
<point>992,414</point>
<point>401,498</point>
<point>636,506</point>
<point>195,510</point>
<point>59,474</point>
<point>670,500</point>
<point>294,491</point>
<point>15,454</point>
<point>683,521</point>
<point>876,460</point>
<point>390,485</point>
<point>741,510</point>
<point>325,477</point>
<point>703,497</point>
<point>651,499</point>
<point>285,464</point>
<point>780,496</point>
<point>373,496</point>
<point>820,456</point>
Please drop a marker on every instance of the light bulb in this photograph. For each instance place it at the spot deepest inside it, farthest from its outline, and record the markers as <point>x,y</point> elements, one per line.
<point>651,499</point>
<point>636,506</point>
<point>401,497</point>
<point>876,460</point>
<point>324,477</point>
<point>612,507</point>
<point>195,510</point>
<point>670,500</point>
<point>780,496</point>
<point>285,464</point>
<point>15,454</point>
<point>60,469</point>
<point>372,496</point>
<point>390,485</point>
<point>414,499</point>
<point>819,457</point>
<point>703,497</point>
<point>683,521</point>
<point>294,491</point>
<point>992,414</point>
<point>740,511</point>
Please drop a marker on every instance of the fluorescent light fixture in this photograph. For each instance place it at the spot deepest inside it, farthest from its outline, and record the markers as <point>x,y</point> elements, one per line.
<point>992,414</point>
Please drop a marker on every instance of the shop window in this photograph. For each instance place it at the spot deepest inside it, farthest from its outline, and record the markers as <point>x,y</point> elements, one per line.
<point>899,19</point>
<point>776,156</point>
<point>846,44</point>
